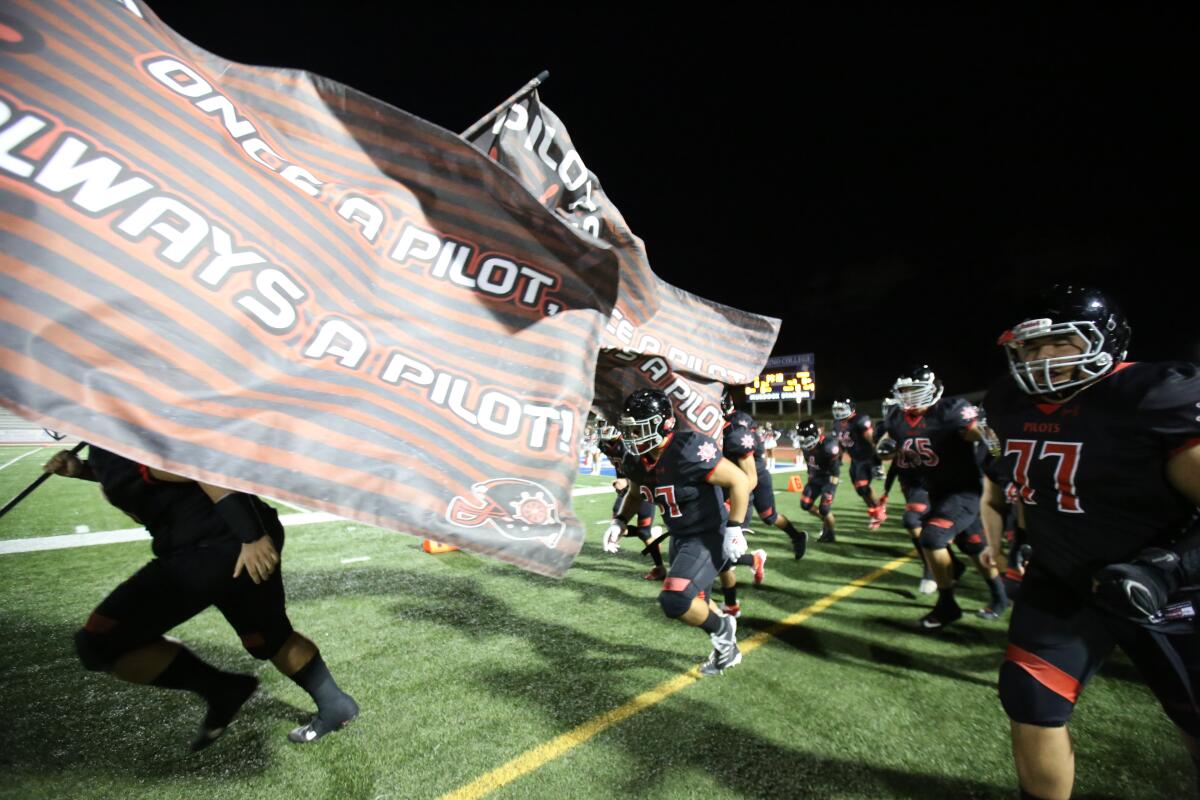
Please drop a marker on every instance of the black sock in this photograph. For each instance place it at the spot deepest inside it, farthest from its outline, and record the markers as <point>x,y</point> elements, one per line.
<point>656,554</point>
<point>713,623</point>
<point>745,560</point>
<point>946,597</point>
<point>730,595</point>
<point>186,671</point>
<point>999,597</point>
<point>791,531</point>
<point>333,705</point>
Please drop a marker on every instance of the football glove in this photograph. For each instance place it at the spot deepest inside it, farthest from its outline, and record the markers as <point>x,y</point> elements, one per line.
<point>1140,589</point>
<point>886,448</point>
<point>734,546</point>
<point>612,536</point>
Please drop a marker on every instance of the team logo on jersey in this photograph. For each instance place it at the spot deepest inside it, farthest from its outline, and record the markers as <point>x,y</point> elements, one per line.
<point>748,441</point>
<point>515,508</point>
<point>706,451</point>
<point>970,412</point>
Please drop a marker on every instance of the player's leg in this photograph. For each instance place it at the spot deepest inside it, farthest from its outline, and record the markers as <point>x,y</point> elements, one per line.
<point>764,504</point>
<point>695,561</point>
<point>125,636</point>
<point>645,532</point>
<point>825,512</point>
<point>940,525</point>
<point>1056,643</point>
<point>860,474</point>
<point>972,543</point>
<point>257,611</point>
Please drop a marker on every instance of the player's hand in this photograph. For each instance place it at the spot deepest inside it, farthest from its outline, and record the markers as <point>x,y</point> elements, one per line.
<point>612,536</point>
<point>734,546</point>
<point>990,558</point>
<point>259,559</point>
<point>886,448</point>
<point>1139,590</point>
<point>64,463</point>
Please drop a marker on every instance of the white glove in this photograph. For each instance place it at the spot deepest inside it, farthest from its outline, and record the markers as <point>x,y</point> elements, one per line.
<point>734,546</point>
<point>612,536</point>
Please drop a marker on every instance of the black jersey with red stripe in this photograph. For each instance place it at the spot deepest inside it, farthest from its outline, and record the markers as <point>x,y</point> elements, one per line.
<point>824,461</point>
<point>852,436</point>
<point>678,483</point>
<point>930,446</point>
<point>1091,471</point>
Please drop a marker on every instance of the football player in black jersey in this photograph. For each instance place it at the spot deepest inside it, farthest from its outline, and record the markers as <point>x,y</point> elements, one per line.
<point>212,547</point>
<point>857,438</point>
<point>686,475</point>
<point>741,442</point>
<point>1106,457</point>
<point>610,443</point>
<point>936,441</point>
<point>824,458</point>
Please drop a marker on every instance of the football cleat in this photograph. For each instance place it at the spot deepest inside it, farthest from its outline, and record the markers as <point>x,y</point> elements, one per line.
<point>943,614</point>
<point>734,610</point>
<point>656,574</point>
<point>826,538</point>
<point>725,652</point>
<point>878,516</point>
<point>222,710</point>
<point>992,613</point>
<point>800,546</point>
<point>760,566</point>
<point>316,727</point>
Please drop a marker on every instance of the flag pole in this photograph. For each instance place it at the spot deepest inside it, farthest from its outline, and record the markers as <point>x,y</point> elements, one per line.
<point>541,78</point>
<point>11,504</point>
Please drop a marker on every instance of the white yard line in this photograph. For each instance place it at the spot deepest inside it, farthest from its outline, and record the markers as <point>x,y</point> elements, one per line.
<point>62,542</point>
<point>18,458</point>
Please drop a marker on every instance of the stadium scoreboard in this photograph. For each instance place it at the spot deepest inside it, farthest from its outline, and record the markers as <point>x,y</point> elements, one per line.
<point>784,378</point>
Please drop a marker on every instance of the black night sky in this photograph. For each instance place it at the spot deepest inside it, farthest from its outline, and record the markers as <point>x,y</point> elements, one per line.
<point>890,180</point>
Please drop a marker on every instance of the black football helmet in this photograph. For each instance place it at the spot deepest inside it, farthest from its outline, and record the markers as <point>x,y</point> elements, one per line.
<point>727,407</point>
<point>843,409</point>
<point>646,420</point>
<point>809,434</point>
<point>1075,311</point>
<point>917,389</point>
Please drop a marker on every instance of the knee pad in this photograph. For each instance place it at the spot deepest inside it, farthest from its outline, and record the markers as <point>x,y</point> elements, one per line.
<point>769,516</point>
<point>266,643</point>
<point>95,651</point>
<point>912,520</point>
<point>1028,701</point>
<point>826,505</point>
<point>864,491</point>
<point>806,504</point>
<point>933,539</point>
<point>675,602</point>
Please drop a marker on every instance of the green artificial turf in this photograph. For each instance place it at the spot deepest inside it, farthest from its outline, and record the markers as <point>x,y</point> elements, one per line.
<point>461,664</point>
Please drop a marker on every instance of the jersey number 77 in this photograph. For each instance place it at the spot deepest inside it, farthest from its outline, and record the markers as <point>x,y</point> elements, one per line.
<point>1067,455</point>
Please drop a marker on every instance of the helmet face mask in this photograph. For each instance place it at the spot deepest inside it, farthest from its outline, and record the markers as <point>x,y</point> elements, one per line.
<point>918,390</point>
<point>808,434</point>
<point>1089,334</point>
<point>843,409</point>
<point>646,421</point>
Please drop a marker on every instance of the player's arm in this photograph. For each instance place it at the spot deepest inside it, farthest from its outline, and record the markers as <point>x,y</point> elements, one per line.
<point>736,486</point>
<point>991,510</point>
<point>1141,588</point>
<point>746,463</point>
<point>835,467</point>
<point>629,506</point>
<point>258,556</point>
<point>69,465</point>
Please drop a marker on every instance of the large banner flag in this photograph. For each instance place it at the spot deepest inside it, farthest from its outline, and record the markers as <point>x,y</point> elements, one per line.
<point>266,280</point>
<point>658,334</point>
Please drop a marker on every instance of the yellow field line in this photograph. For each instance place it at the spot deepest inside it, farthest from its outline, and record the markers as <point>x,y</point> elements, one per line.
<point>560,745</point>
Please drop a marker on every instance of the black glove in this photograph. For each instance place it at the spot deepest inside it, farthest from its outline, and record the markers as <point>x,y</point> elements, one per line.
<point>886,448</point>
<point>1140,589</point>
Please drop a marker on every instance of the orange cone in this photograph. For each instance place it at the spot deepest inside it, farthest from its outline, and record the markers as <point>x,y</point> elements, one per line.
<point>434,548</point>
<point>795,484</point>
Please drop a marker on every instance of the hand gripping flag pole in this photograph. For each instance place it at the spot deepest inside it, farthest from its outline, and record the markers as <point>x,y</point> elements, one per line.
<point>541,78</point>
<point>28,490</point>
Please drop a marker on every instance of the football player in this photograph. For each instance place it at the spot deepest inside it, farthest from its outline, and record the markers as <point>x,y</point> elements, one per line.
<point>742,445</point>
<point>212,547</point>
<point>916,501</point>
<point>857,437</point>
<point>935,440</point>
<point>686,475</point>
<point>1106,457</point>
<point>613,447</point>
<point>824,459</point>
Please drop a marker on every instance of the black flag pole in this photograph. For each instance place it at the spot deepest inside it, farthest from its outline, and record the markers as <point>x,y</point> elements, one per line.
<point>541,78</point>
<point>28,490</point>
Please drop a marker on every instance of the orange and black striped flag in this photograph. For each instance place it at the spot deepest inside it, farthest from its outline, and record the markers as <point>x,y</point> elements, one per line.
<point>266,280</point>
<point>658,335</point>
